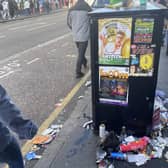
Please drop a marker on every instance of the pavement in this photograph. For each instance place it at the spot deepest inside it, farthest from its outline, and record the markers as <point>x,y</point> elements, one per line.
<point>21,17</point>
<point>75,146</point>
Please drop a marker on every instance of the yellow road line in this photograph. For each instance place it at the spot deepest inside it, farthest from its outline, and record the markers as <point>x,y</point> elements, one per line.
<point>27,146</point>
<point>54,114</point>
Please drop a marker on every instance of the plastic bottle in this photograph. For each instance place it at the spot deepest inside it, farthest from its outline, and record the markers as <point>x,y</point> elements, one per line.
<point>123,134</point>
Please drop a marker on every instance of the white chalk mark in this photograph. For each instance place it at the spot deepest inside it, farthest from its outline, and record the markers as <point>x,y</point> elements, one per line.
<point>32,61</point>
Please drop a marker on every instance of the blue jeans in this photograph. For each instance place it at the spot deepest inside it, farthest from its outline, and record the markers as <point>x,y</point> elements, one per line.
<point>12,155</point>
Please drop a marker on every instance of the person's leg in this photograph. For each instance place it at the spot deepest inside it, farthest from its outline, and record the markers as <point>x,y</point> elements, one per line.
<point>167,41</point>
<point>12,155</point>
<point>79,61</point>
<point>81,57</point>
<point>84,58</point>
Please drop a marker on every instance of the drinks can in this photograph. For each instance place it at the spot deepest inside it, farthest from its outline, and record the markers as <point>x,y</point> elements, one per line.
<point>102,131</point>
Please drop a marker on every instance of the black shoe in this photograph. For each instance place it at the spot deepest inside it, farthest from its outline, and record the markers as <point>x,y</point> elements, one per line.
<point>85,64</point>
<point>79,75</point>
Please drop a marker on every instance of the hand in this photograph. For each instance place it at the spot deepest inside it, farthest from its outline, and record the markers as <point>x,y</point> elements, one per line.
<point>28,131</point>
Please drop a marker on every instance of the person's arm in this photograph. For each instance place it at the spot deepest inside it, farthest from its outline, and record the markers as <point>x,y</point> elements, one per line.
<point>12,117</point>
<point>69,20</point>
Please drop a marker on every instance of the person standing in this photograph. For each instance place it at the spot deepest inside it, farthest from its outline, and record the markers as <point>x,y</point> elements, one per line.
<point>47,6</point>
<point>1,10</point>
<point>31,7</point>
<point>11,8</point>
<point>56,4</point>
<point>5,9</point>
<point>78,22</point>
<point>10,117</point>
<point>27,7</point>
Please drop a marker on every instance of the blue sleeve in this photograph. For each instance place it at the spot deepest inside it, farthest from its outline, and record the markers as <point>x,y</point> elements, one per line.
<point>12,117</point>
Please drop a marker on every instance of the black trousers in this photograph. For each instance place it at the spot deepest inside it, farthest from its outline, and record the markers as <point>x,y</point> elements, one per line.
<point>81,46</point>
<point>12,155</point>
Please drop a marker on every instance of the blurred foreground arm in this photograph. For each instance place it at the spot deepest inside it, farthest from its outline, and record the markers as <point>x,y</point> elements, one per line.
<point>11,116</point>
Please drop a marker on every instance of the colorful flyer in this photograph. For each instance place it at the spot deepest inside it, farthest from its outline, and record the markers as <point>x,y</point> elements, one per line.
<point>143,32</point>
<point>113,85</point>
<point>114,41</point>
<point>141,60</point>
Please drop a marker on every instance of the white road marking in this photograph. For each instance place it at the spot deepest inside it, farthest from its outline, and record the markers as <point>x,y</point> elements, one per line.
<point>16,28</point>
<point>39,27</point>
<point>25,26</point>
<point>34,60</point>
<point>17,55</point>
<point>7,74</point>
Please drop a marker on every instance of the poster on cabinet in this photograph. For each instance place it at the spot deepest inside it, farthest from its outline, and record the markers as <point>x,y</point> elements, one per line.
<point>113,85</point>
<point>142,60</point>
<point>143,32</point>
<point>114,39</point>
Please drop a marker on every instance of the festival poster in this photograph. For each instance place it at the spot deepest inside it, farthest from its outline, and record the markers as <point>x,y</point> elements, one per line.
<point>113,85</point>
<point>143,32</point>
<point>114,41</point>
<point>142,60</point>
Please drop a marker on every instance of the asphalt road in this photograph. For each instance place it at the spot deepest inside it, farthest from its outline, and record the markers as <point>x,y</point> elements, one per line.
<point>37,63</point>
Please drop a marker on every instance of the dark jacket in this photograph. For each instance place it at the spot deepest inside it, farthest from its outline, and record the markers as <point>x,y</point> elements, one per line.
<point>1,7</point>
<point>78,21</point>
<point>10,117</point>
